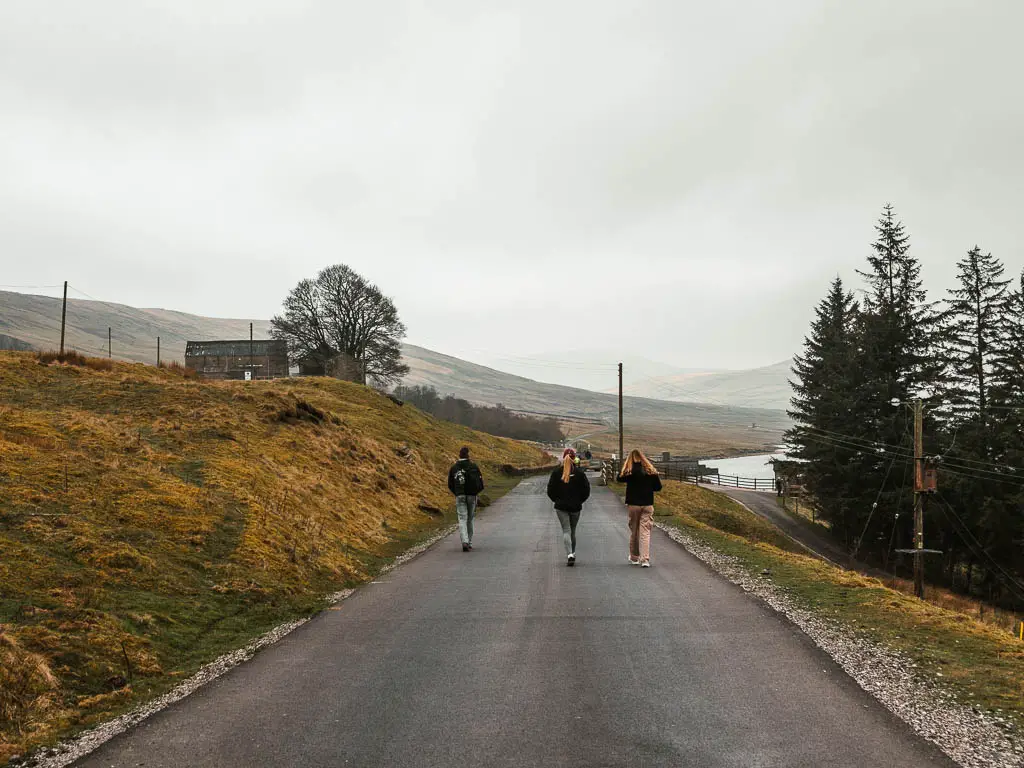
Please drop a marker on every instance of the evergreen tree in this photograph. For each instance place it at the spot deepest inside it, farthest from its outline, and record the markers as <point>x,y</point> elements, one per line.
<point>972,331</point>
<point>823,389</point>
<point>1003,524</point>
<point>897,357</point>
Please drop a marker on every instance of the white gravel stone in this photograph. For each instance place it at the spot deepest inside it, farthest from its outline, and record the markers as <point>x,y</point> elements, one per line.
<point>972,738</point>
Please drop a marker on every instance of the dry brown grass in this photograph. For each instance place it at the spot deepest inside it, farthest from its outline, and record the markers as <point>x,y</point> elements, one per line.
<point>180,369</point>
<point>1008,621</point>
<point>28,688</point>
<point>75,358</point>
<point>149,521</point>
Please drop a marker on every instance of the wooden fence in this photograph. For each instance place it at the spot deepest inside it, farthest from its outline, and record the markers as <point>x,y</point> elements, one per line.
<point>685,473</point>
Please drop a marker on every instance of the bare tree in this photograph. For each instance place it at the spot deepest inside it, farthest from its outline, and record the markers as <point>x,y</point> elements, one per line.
<point>340,324</point>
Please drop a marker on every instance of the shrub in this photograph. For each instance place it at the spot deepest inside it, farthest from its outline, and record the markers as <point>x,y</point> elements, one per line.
<point>184,371</point>
<point>75,358</point>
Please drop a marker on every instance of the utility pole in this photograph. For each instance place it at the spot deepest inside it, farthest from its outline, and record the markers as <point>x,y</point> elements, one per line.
<point>63,319</point>
<point>622,455</point>
<point>109,347</point>
<point>252,368</point>
<point>919,498</point>
<point>157,351</point>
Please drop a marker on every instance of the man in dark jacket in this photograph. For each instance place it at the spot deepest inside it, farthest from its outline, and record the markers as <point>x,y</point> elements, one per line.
<point>569,488</point>
<point>466,482</point>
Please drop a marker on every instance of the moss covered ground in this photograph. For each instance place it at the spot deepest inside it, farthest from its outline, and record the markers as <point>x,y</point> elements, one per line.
<point>150,521</point>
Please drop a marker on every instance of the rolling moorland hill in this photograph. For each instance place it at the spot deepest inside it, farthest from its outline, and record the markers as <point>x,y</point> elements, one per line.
<point>654,423</point>
<point>766,387</point>
<point>35,321</point>
<point>150,521</point>
<point>700,427</point>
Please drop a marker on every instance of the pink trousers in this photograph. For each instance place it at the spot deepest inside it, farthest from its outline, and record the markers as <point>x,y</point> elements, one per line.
<point>641,520</point>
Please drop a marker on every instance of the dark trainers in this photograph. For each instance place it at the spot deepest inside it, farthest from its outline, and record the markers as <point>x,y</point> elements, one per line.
<point>571,560</point>
<point>466,547</point>
<point>470,547</point>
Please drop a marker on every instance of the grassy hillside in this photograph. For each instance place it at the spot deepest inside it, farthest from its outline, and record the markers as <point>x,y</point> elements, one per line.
<point>149,522</point>
<point>766,387</point>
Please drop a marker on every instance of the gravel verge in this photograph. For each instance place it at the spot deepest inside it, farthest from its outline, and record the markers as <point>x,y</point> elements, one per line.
<point>972,738</point>
<point>67,752</point>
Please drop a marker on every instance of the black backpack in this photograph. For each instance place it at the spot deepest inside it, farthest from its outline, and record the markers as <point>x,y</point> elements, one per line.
<point>472,482</point>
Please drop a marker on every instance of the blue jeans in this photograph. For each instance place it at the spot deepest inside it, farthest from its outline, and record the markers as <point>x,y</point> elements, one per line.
<point>465,508</point>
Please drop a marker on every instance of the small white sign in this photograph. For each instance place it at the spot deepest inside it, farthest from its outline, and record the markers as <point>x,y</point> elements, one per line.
<point>248,375</point>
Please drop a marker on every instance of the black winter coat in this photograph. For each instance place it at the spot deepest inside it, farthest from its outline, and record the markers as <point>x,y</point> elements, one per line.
<point>640,487</point>
<point>465,478</point>
<point>569,497</point>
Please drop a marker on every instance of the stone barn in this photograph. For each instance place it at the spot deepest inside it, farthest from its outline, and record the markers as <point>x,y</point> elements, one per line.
<point>258,359</point>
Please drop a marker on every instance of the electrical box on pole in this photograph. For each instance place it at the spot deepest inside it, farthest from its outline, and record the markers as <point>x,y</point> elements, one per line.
<point>918,497</point>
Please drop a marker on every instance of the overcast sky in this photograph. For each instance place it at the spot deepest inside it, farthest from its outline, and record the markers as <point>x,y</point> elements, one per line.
<point>677,180</point>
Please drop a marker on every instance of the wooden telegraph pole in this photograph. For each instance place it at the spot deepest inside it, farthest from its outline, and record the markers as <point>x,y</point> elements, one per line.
<point>919,498</point>
<point>157,351</point>
<point>109,347</point>
<point>252,368</point>
<point>622,455</point>
<point>925,481</point>
<point>63,319</point>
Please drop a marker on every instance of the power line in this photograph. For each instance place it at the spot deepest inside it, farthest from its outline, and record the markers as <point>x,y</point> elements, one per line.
<point>946,466</point>
<point>874,506</point>
<point>961,529</point>
<point>957,461</point>
<point>79,290</point>
<point>33,287</point>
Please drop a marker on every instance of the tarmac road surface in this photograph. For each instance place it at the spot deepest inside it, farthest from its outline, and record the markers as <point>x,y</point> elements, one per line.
<point>505,657</point>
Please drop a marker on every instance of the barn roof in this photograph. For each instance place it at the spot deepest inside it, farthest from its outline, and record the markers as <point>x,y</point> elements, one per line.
<point>240,348</point>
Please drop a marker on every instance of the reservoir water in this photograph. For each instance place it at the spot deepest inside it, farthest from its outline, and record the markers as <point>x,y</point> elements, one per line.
<point>746,466</point>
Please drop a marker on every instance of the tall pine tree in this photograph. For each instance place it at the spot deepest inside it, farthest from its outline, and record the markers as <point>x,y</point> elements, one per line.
<point>1002,526</point>
<point>972,330</point>
<point>971,335</point>
<point>897,357</point>
<point>823,390</point>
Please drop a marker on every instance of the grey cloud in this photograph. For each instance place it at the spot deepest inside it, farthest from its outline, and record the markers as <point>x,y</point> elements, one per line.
<point>505,165</point>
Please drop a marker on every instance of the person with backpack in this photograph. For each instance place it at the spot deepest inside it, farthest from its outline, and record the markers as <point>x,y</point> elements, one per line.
<point>569,488</point>
<point>642,482</point>
<point>466,482</point>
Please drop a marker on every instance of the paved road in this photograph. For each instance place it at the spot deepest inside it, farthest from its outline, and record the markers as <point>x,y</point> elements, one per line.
<point>505,657</point>
<point>765,505</point>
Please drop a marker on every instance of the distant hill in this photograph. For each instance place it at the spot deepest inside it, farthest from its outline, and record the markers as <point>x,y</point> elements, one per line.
<point>481,384</point>
<point>582,369</point>
<point>766,387</point>
<point>35,321</point>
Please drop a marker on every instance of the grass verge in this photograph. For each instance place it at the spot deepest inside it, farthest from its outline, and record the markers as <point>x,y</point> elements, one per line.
<point>979,664</point>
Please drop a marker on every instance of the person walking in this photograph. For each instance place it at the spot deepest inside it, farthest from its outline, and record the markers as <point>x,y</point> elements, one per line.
<point>642,482</point>
<point>569,489</point>
<point>466,482</point>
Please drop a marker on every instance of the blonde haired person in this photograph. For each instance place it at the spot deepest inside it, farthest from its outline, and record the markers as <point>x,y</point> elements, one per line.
<point>569,488</point>
<point>642,482</point>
